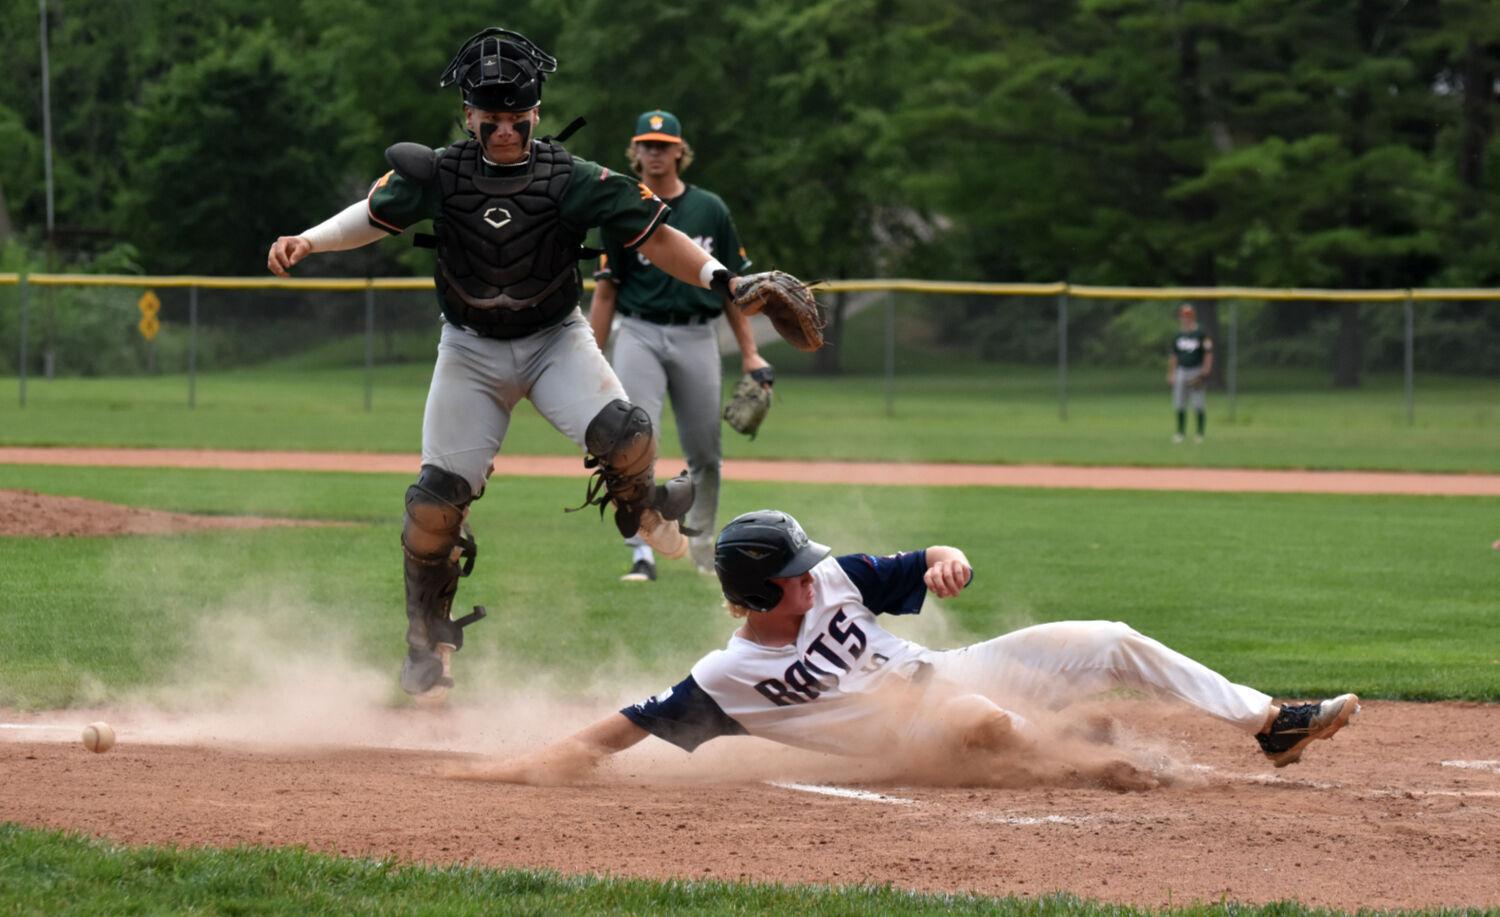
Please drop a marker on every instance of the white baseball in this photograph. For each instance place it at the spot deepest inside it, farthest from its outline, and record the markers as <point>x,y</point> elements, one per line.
<point>98,737</point>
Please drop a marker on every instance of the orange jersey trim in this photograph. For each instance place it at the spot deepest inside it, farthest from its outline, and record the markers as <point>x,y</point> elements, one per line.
<point>370,208</point>
<point>655,219</point>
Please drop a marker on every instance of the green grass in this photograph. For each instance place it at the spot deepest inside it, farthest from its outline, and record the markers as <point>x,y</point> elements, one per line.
<point>971,412</point>
<point>1299,595</point>
<point>44,872</point>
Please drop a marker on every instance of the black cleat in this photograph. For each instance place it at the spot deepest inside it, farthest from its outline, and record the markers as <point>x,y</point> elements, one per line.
<point>1299,724</point>
<point>644,571</point>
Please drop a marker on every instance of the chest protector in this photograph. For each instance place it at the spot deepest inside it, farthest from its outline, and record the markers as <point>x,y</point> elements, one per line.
<point>507,266</point>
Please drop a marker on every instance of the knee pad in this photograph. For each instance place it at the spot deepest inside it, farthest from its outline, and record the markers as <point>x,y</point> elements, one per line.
<point>620,438</point>
<point>435,508</point>
<point>622,450</point>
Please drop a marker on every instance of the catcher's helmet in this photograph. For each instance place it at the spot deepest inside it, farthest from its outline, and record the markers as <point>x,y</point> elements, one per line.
<point>756,547</point>
<point>499,70</point>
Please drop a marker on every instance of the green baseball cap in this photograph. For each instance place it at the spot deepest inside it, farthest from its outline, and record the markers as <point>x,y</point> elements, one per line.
<point>658,125</point>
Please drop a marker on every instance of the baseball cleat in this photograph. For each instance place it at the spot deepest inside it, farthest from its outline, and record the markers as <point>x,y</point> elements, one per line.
<point>428,676</point>
<point>644,571</point>
<point>1299,724</point>
<point>427,673</point>
<point>438,691</point>
<point>663,535</point>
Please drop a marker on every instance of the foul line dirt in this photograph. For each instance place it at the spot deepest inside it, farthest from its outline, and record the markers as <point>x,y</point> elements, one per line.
<point>924,474</point>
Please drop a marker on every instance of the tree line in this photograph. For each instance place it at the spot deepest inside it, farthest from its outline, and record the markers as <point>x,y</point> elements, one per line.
<point>1144,142</point>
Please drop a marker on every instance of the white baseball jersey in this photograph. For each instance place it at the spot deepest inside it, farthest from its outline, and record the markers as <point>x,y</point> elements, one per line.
<point>816,693</point>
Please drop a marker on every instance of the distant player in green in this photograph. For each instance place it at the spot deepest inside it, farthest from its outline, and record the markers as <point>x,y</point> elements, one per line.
<point>667,346</point>
<point>510,212</point>
<point>1188,368</point>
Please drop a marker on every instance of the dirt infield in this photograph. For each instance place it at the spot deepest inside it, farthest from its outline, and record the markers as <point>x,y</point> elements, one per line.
<point>33,515</point>
<point>924,474</point>
<point>1400,810</point>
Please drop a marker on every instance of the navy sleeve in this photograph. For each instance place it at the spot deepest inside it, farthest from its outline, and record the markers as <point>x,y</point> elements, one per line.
<point>684,715</point>
<point>889,585</point>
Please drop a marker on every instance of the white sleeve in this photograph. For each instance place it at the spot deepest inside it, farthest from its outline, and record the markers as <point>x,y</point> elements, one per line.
<point>349,228</point>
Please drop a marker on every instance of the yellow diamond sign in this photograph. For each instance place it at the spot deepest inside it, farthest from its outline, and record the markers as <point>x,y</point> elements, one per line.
<point>149,324</point>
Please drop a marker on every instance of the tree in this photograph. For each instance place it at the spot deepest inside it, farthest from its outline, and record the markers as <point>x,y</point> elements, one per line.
<point>228,151</point>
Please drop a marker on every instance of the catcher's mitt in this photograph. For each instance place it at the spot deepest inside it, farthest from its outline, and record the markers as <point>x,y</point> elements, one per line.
<point>787,302</point>
<point>750,403</point>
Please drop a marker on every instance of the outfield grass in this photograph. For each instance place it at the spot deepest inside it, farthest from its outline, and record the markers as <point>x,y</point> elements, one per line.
<point>969,413</point>
<point>1299,595</point>
<point>45,872</point>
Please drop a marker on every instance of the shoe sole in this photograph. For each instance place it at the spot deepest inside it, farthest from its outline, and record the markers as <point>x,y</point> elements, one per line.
<point>1294,754</point>
<point>635,578</point>
<point>664,536</point>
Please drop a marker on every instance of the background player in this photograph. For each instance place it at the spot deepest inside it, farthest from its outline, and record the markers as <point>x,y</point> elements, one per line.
<point>666,345</point>
<point>510,213</point>
<point>810,666</point>
<point>1188,368</point>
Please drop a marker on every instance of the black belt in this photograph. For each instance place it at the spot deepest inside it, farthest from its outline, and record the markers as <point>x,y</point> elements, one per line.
<point>698,319</point>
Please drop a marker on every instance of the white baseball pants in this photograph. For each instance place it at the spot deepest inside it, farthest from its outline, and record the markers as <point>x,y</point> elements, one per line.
<point>1052,665</point>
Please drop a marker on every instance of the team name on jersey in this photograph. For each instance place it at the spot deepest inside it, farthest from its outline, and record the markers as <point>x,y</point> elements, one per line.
<point>704,242</point>
<point>1186,343</point>
<point>831,654</point>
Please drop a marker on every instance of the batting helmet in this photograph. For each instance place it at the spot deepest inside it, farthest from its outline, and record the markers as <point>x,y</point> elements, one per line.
<point>757,547</point>
<point>499,70</point>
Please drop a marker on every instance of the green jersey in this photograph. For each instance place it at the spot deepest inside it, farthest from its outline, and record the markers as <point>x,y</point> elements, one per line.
<point>1189,347</point>
<point>649,293</point>
<point>625,211</point>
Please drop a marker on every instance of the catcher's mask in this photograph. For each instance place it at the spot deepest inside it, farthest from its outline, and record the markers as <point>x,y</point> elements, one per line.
<point>499,70</point>
<point>757,547</point>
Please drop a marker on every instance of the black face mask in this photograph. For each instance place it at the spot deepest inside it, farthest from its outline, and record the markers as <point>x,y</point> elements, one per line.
<point>499,70</point>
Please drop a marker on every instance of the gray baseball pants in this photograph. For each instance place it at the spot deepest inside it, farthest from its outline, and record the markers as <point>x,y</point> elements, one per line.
<point>681,362</point>
<point>1185,395</point>
<point>478,381</point>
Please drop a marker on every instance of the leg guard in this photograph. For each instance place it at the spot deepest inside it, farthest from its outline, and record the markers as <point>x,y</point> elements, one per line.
<point>439,549</point>
<point>622,452</point>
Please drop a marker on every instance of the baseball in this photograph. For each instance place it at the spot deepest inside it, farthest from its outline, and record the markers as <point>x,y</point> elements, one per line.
<point>98,737</point>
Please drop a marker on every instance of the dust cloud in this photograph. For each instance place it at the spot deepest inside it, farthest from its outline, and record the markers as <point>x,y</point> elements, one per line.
<point>276,672</point>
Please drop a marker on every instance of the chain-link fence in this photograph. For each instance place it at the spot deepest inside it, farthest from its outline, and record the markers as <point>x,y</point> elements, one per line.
<point>80,326</point>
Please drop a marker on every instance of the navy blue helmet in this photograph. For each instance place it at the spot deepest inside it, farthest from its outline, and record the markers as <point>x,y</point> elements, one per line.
<point>757,547</point>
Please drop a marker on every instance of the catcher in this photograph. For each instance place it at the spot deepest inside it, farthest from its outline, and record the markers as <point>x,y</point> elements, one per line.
<point>811,666</point>
<point>666,345</point>
<point>510,212</point>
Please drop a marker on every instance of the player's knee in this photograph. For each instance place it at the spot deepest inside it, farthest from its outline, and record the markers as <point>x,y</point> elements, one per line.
<point>621,436</point>
<point>435,507</point>
<point>974,721</point>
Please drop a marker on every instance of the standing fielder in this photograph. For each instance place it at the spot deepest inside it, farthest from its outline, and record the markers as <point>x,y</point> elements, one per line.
<point>811,667</point>
<point>510,213</point>
<point>666,345</point>
<point>1188,369</point>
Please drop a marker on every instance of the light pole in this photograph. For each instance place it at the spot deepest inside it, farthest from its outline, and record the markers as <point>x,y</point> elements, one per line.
<point>48,357</point>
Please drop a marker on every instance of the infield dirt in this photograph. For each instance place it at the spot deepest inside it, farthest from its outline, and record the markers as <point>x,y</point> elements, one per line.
<point>1400,810</point>
<point>1374,818</point>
